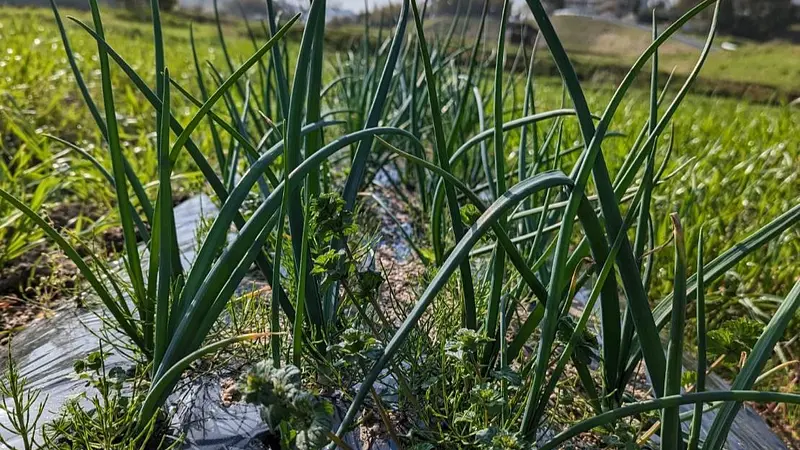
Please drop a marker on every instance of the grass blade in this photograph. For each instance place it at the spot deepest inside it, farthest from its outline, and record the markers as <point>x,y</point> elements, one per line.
<point>204,96</point>
<point>216,184</point>
<point>359,164</point>
<point>231,80</point>
<point>282,88</point>
<point>700,384</point>
<point>163,385</point>
<point>721,264</point>
<point>197,156</point>
<point>528,105</point>
<point>220,281</point>
<point>460,153</point>
<point>443,160</point>
<point>297,333</point>
<point>498,262</point>
<point>165,228</point>
<point>671,437</point>
<point>229,214</point>
<point>118,167</point>
<point>666,402</point>
<point>293,154</point>
<point>761,353</point>
<point>473,62</point>
<point>643,319</point>
<point>647,181</point>
<point>95,112</point>
<point>516,259</point>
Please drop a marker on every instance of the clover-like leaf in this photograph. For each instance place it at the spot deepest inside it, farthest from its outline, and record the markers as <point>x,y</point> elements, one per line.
<point>356,346</point>
<point>282,399</point>
<point>464,342</point>
<point>469,214</point>
<point>369,281</point>
<point>314,421</point>
<point>273,389</point>
<point>508,375</point>
<point>329,217</point>
<point>488,395</point>
<point>494,439</point>
<point>734,336</point>
<point>332,265</point>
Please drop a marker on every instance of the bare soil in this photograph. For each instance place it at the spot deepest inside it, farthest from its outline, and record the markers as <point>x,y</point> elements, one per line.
<point>40,279</point>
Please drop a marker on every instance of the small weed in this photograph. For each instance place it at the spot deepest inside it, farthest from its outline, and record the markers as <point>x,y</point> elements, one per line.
<point>21,406</point>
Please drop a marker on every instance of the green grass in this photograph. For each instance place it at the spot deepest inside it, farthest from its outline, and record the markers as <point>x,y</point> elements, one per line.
<point>742,157</point>
<point>38,79</point>
<point>724,167</point>
<point>603,51</point>
<point>738,155</point>
<point>772,64</point>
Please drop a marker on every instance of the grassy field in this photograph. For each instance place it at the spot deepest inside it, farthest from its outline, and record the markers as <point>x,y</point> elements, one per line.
<point>729,168</point>
<point>603,51</point>
<point>771,64</point>
<point>742,156</point>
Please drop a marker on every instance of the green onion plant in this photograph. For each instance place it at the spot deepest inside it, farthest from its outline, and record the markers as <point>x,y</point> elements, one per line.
<point>442,122</point>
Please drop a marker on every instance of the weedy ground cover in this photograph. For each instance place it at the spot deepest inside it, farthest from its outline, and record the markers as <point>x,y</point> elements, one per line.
<point>525,195</point>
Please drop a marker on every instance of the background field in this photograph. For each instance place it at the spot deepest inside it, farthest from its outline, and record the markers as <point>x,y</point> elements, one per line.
<point>603,50</point>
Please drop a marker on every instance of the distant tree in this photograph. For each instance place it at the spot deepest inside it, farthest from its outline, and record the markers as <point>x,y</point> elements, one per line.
<point>252,8</point>
<point>754,19</point>
<point>466,7</point>
<point>134,5</point>
<point>757,19</point>
<point>381,15</point>
<point>144,5</point>
<point>257,9</point>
